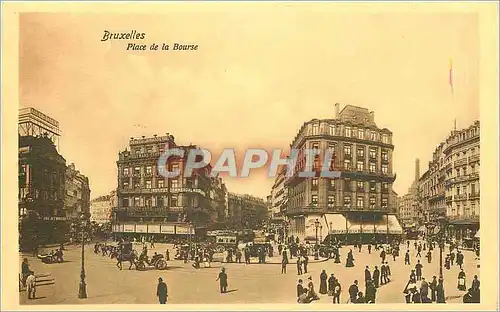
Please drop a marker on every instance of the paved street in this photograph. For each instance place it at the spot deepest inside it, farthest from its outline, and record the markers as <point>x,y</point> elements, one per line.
<point>255,283</point>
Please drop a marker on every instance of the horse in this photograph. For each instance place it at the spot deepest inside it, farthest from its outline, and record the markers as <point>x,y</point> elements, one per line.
<point>131,257</point>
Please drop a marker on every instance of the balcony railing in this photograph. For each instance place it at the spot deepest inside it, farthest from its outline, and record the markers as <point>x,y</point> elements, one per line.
<point>474,158</point>
<point>449,198</point>
<point>474,195</point>
<point>474,175</point>
<point>460,197</point>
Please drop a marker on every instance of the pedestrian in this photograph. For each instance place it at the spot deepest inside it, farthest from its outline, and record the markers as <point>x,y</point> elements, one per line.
<point>222,278</point>
<point>460,259</point>
<point>370,292</point>
<point>383,255</point>
<point>433,288</point>
<point>31,285</point>
<point>304,297</point>
<point>368,275</point>
<point>416,296</point>
<point>407,244</point>
<point>284,262</point>
<point>331,285</point>
<point>407,257</point>
<point>336,292</point>
<point>300,288</point>
<point>161,291</point>
<point>360,298</point>
<point>311,293</point>
<point>394,254</point>
<point>167,255</point>
<point>353,291</point>
<point>461,281</point>
<point>419,250</point>
<point>305,262</point>
<point>418,270</point>
<point>299,265</point>
<point>376,276</point>
<point>429,256</point>
<point>359,246</point>
<point>388,271</point>
<point>350,260</point>
<point>369,248</point>
<point>452,258</point>
<point>323,287</point>
<point>475,283</point>
<point>424,291</point>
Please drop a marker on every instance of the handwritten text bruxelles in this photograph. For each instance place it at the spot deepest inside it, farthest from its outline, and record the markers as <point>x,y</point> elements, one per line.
<point>135,35</point>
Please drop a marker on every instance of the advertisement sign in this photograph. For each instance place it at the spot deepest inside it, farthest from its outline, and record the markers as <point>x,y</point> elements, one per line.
<point>129,228</point>
<point>180,229</point>
<point>153,228</point>
<point>141,228</point>
<point>167,229</point>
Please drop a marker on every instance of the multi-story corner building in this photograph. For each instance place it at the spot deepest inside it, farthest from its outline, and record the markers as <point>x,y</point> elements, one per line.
<point>449,189</point>
<point>461,166</point>
<point>34,123</point>
<point>77,193</point>
<point>356,206</point>
<point>150,204</point>
<point>246,211</point>
<point>41,192</point>
<point>102,206</point>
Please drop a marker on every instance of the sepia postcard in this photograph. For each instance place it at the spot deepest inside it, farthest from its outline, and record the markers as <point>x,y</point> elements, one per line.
<point>249,156</point>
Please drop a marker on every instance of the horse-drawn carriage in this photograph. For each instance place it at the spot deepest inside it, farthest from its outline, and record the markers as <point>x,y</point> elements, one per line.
<point>128,254</point>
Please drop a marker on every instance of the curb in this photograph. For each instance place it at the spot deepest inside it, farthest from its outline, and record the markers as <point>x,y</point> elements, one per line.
<point>276,263</point>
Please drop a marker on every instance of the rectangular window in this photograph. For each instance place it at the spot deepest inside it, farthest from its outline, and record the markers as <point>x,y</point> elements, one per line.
<point>195,201</point>
<point>332,184</point>
<point>347,150</point>
<point>315,129</point>
<point>373,136</point>
<point>331,201</point>
<point>314,200</point>
<point>159,201</point>
<point>174,183</point>
<point>148,184</point>
<point>464,189</point>
<point>361,186</point>
<point>137,201</point>
<point>161,183</point>
<point>174,201</point>
<point>137,170</point>
<point>126,172</point>
<point>458,190</point>
<point>473,209</point>
<point>137,184</point>
<point>331,130</point>
<point>347,201</point>
<point>315,145</point>
<point>373,153</point>
<point>361,152</point>
<point>385,139</point>
<point>360,166</point>
<point>385,156</point>
<point>385,202</point>
<point>125,184</point>
<point>314,184</point>
<point>347,131</point>
<point>373,186</point>
<point>347,164</point>
<point>149,170</point>
<point>384,169</point>
<point>458,172</point>
<point>372,202</point>
<point>347,185</point>
<point>385,186</point>
<point>373,168</point>
<point>361,134</point>
<point>465,171</point>
<point>360,202</point>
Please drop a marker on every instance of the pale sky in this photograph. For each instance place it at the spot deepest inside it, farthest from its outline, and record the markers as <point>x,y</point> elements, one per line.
<point>255,78</point>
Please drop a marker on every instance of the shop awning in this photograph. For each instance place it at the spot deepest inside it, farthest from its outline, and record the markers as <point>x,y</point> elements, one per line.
<point>477,234</point>
<point>336,223</point>
<point>394,226</point>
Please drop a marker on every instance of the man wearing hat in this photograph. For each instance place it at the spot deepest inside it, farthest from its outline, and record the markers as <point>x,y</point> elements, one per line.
<point>161,291</point>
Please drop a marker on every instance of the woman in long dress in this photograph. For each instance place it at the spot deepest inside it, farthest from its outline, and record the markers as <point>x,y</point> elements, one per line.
<point>350,259</point>
<point>331,285</point>
<point>323,289</point>
<point>461,281</point>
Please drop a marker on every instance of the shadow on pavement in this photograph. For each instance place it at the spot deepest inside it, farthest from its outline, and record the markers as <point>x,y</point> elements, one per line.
<point>231,290</point>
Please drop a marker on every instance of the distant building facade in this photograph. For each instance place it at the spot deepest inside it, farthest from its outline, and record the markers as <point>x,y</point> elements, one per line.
<point>77,193</point>
<point>101,207</point>
<point>246,211</point>
<point>357,206</point>
<point>410,208</point>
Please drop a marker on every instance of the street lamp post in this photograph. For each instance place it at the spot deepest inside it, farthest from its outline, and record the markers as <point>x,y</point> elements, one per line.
<point>316,224</point>
<point>82,291</point>
<point>321,233</point>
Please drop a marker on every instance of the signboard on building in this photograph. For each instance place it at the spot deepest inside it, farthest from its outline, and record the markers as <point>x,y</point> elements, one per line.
<point>141,228</point>
<point>153,228</point>
<point>167,229</point>
<point>129,228</point>
<point>180,229</point>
